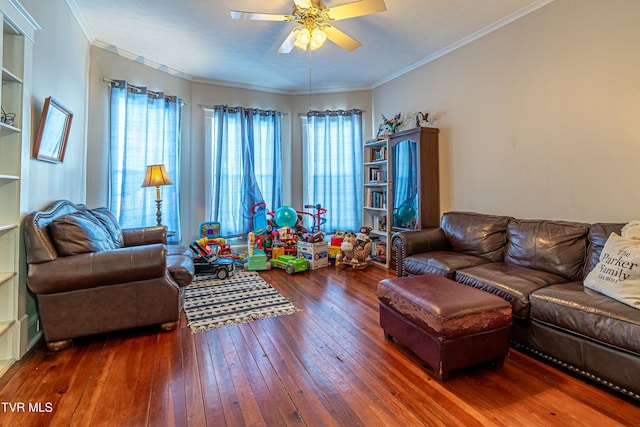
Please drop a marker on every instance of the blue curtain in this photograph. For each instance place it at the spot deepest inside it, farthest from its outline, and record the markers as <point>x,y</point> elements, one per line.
<point>333,167</point>
<point>244,164</point>
<point>145,130</point>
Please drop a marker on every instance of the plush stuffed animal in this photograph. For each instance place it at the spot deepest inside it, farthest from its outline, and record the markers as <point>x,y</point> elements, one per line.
<point>357,247</point>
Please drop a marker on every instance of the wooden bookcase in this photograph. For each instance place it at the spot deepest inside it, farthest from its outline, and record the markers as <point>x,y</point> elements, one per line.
<point>401,186</point>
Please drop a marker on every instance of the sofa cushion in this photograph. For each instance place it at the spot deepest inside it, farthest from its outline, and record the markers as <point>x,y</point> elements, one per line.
<point>588,313</point>
<point>553,246</point>
<point>476,234</point>
<point>598,235</point>
<point>511,282</point>
<point>110,223</point>
<point>617,274</point>
<point>79,233</point>
<point>440,263</point>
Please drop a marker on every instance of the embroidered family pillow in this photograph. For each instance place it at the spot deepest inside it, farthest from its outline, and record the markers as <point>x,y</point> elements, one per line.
<point>617,274</point>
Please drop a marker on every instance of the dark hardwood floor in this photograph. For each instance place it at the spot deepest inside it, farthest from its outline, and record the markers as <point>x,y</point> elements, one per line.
<point>328,365</point>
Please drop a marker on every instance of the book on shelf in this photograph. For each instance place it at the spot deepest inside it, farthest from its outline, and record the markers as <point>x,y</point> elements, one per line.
<point>377,175</point>
<point>378,154</point>
<point>376,199</point>
<point>379,251</point>
<point>380,223</point>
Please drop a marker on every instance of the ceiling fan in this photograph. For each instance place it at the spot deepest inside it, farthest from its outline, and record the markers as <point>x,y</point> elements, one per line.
<point>314,19</point>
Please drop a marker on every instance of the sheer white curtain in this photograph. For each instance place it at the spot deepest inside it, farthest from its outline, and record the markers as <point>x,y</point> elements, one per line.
<point>144,130</point>
<point>243,165</point>
<point>333,166</point>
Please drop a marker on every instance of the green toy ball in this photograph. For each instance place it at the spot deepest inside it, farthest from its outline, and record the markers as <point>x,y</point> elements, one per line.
<point>285,216</point>
<point>405,213</point>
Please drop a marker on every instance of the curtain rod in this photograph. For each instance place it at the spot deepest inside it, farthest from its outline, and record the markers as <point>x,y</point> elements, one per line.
<point>214,106</point>
<point>138,88</point>
<point>324,111</point>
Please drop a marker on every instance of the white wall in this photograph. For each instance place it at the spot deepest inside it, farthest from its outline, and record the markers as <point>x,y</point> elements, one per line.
<point>539,118</point>
<point>60,68</point>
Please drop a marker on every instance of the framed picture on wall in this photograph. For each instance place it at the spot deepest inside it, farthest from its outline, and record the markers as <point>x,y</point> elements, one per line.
<point>55,124</point>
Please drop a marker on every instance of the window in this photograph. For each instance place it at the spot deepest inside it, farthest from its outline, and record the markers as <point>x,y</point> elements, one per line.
<point>145,130</point>
<point>333,166</point>
<point>243,152</point>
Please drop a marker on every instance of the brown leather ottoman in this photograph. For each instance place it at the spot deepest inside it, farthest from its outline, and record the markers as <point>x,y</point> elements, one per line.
<point>448,325</point>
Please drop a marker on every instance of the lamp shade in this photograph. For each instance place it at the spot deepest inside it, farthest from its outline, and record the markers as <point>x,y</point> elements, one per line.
<point>156,176</point>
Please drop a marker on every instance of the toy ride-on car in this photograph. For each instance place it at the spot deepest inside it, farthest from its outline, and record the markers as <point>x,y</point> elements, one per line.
<point>206,262</point>
<point>290,263</point>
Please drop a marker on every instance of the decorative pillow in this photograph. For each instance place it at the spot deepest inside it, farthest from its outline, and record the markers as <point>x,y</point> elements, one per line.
<point>79,233</point>
<point>631,230</point>
<point>110,223</point>
<point>617,274</point>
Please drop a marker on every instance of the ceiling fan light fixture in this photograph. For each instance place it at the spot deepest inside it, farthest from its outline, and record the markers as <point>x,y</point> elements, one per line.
<point>304,37</point>
<point>318,36</point>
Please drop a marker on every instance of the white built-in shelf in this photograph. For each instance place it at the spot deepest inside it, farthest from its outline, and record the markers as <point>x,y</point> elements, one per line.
<point>8,76</point>
<point>375,209</point>
<point>6,276</point>
<point>376,143</point>
<point>9,177</point>
<point>7,227</point>
<point>6,129</point>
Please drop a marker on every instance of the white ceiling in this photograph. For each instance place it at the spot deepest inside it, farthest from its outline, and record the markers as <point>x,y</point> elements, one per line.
<point>198,40</point>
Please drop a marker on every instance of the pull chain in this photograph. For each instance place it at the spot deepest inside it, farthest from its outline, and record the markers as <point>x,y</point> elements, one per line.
<point>309,56</point>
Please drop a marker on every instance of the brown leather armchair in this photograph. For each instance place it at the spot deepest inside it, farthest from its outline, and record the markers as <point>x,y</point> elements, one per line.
<point>90,276</point>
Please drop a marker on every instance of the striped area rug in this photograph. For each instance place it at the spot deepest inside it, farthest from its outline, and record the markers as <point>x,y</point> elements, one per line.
<point>244,297</point>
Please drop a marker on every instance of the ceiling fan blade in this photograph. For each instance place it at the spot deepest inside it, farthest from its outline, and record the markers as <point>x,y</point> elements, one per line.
<point>237,14</point>
<point>356,8</point>
<point>341,39</point>
<point>303,3</point>
<point>289,43</point>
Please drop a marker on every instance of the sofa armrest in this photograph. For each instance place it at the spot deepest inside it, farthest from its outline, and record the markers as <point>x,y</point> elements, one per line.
<point>406,243</point>
<point>144,236</point>
<point>90,270</point>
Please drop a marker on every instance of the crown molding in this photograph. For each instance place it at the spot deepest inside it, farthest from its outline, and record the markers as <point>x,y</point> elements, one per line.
<point>73,6</point>
<point>140,59</point>
<point>478,34</point>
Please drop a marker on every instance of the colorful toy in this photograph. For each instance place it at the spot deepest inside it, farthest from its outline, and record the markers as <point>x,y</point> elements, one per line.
<point>257,262</point>
<point>317,218</point>
<point>206,261</point>
<point>210,239</point>
<point>338,237</point>
<point>210,230</point>
<point>285,216</point>
<point>356,249</point>
<point>290,263</point>
<point>256,256</point>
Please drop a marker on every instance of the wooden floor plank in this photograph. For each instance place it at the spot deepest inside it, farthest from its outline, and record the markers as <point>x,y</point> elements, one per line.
<point>276,393</point>
<point>328,365</point>
<point>195,407</point>
<point>211,399</point>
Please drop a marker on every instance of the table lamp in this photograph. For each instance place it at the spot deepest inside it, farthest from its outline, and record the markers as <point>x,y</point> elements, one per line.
<point>157,176</point>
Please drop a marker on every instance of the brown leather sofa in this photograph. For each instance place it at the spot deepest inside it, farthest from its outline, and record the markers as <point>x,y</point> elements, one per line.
<point>90,276</point>
<point>538,266</point>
